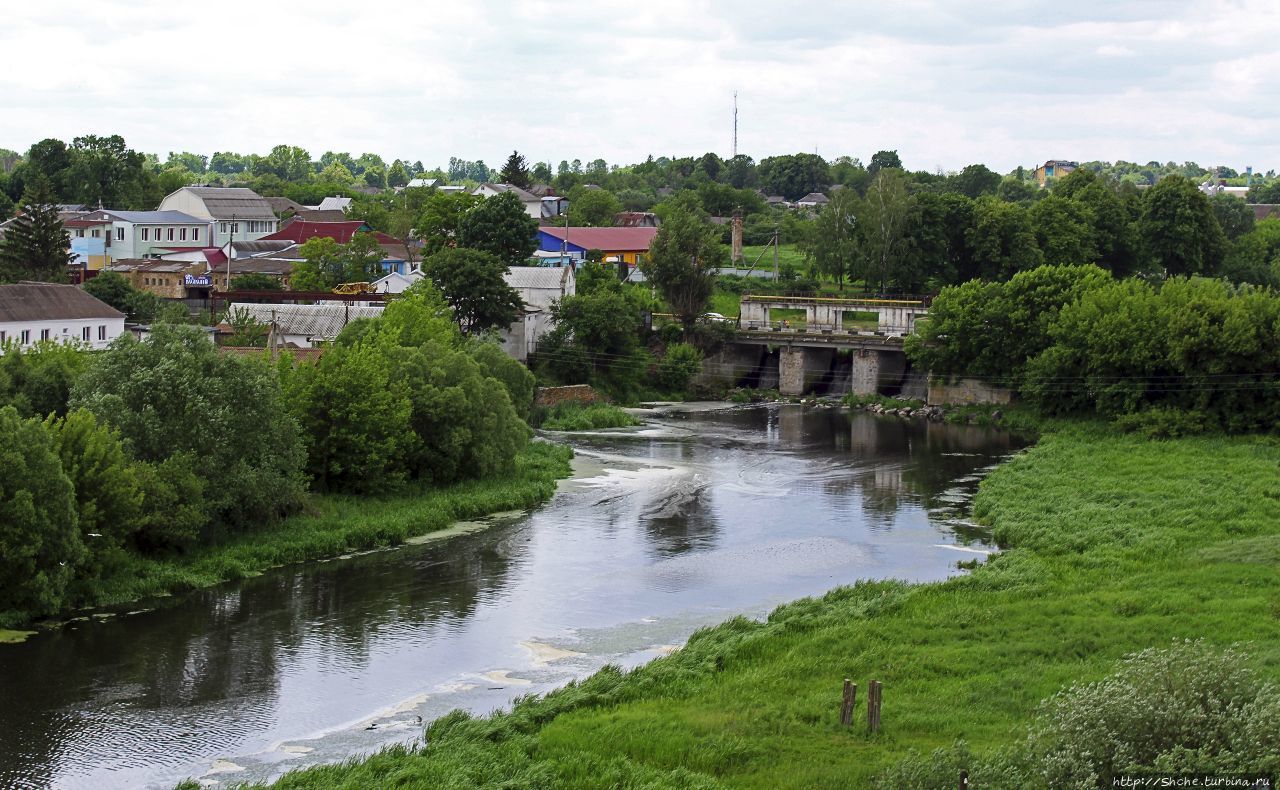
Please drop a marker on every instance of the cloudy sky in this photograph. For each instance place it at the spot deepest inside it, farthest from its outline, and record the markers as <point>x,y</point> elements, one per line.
<point>945,83</point>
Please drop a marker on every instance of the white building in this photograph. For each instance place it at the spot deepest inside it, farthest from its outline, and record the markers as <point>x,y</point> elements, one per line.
<point>305,325</point>
<point>32,312</point>
<point>236,213</point>
<point>538,286</point>
<point>532,203</point>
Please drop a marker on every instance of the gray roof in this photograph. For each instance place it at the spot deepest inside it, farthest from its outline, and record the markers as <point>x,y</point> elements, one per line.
<point>270,266</point>
<point>237,202</point>
<point>261,246</point>
<point>309,320</point>
<point>156,217</point>
<point>537,277</point>
<point>524,196</point>
<point>50,301</point>
<point>335,203</point>
<point>814,197</point>
<point>283,204</point>
<point>151,265</point>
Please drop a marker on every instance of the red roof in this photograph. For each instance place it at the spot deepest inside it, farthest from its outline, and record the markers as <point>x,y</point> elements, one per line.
<point>85,223</point>
<point>605,239</point>
<point>341,232</point>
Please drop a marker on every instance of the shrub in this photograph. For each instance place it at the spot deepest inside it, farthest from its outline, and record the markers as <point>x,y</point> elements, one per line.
<point>681,363</point>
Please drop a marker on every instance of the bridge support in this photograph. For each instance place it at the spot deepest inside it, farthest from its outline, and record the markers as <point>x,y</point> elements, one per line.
<point>791,370</point>
<point>871,371</point>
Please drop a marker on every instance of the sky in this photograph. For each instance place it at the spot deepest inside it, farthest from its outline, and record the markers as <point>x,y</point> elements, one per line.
<point>946,84</point>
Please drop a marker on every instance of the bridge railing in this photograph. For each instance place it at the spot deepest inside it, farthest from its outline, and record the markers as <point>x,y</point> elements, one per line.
<point>896,300</point>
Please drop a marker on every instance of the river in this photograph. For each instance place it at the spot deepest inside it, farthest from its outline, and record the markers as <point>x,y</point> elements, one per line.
<point>698,515</point>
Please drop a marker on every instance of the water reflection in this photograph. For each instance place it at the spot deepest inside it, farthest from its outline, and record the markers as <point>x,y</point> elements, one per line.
<point>696,518</point>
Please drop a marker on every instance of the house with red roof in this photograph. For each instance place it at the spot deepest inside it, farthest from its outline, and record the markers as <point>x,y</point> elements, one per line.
<point>626,245</point>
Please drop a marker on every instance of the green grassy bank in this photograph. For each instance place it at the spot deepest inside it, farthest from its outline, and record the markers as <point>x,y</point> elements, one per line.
<point>581,417</point>
<point>1113,544</point>
<point>337,524</point>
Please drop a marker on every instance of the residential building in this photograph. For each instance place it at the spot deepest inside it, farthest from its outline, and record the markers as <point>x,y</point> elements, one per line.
<point>554,206</point>
<point>397,283</point>
<point>635,219</point>
<point>283,206</point>
<point>1263,211</point>
<point>31,312</point>
<point>236,213</point>
<point>420,183</point>
<point>813,200</point>
<point>1054,168</point>
<point>624,245</point>
<point>90,235</point>
<point>306,325</point>
<point>539,287</point>
<point>532,203</point>
<point>166,279</point>
<point>145,234</point>
<point>335,203</point>
<point>395,256</point>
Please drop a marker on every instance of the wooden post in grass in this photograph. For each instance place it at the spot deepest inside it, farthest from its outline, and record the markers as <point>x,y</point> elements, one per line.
<point>846,707</point>
<point>873,706</point>
<point>964,779</point>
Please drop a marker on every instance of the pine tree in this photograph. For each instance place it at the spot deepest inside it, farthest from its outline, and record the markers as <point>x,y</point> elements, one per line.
<point>516,171</point>
<point>36,246</point>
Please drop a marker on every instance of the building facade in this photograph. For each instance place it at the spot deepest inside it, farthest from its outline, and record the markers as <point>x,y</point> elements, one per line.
<point>235,213</point>
<point>34,312</point>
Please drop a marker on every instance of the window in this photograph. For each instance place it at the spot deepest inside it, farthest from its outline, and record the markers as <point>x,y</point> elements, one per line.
<point>102,332</point>
<point>84,334</point>
<point>26,337</point>
<point>195,234</point>
<point>182,234</point>
<point>3,335</point>
<point>144,234</point>
<point>170,234</point>
<point>157,234</point>
<point>97,234</point>
<point>120,233</point>
<point>79,233</point>
<point>222,227</point>
<point>44,334</point>
<point>235,227</point>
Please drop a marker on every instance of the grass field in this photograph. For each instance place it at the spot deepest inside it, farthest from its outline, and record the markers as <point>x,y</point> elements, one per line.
<point>337,524</point>
<point>1112,544</point>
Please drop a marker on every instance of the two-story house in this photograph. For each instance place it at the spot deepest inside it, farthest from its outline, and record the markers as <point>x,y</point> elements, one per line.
<point>236,213</point>
<point>150,234</point>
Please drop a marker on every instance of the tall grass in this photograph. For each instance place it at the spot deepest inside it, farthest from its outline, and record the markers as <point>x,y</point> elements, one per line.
<point>1114,544</point>
<point>582,417</point>
<point>337,524</point>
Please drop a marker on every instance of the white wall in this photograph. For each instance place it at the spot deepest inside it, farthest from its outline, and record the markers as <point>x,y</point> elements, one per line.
<point>65,330</point>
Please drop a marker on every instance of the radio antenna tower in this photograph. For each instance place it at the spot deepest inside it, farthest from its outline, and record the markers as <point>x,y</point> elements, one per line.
<point>735,124</point>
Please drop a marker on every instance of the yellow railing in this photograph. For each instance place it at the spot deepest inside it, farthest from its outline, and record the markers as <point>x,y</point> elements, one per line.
<point>829,300</point>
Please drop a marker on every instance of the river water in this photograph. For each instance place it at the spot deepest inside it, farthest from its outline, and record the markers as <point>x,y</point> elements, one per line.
<point>699,515</point>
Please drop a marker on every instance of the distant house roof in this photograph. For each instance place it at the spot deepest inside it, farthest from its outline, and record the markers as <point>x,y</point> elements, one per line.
<point>261,246</point>
<point>525,197</point>
<point>271,266</point>
<point>537,277</point>
<point>419,183</point>
<point>282,204</point>
<point>606,239</point>
<point>1263,211</point>
<point>315,215</point>
<point>308,320</point>
<point>775,200</point>
<point>813,199</point>
<point>635,219</point>
<point>86,223</point>
<point>155,217</point>
<point>341,232</point>
<point>542,190</point>
<point>151,265</point>
<point>50,301</point>
<point>232,202</point>
<point>335,203</point>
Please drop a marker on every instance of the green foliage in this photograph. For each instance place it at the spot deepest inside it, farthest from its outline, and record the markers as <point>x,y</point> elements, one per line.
<point>1001,240</point>
<point>173,393</point>
<point>678,366</point>
<point>596,341</point>
<point>583,417</point>
<point>35,246</point>
<point>114,289</point>
<point>794,175</point>
<point>39,533</point>
<point>1179,231</point>
<point>328,264</point>
<point>592,207</point>
<point>472,283</point>
<point>246,331</point>
<point>441,220</point>
<point>515,171</point>
<point>1234,216</point>
<point>835,246</point>
<point>1255,256</point>
<point>975,181</point>
<point>256,281</point>
<point>500,227</point>
<point>682,263</point>
<point>990,330</point>
<point>515,377</point>
<point>37,380</point>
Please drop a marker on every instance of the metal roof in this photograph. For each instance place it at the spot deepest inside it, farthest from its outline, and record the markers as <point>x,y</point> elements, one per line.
<point>50,301</point>
<point>606,239</point>
<point>233,202</point>
<point>155,217</point>
<point>537,277</point>
<point>308,320</point>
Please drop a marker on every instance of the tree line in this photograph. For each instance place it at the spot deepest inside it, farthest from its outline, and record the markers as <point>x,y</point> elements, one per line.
<point>167,445</point>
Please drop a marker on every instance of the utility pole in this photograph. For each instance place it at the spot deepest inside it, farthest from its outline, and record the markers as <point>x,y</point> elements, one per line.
<point>735,124</point>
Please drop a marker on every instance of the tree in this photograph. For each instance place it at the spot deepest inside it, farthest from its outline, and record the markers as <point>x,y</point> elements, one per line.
<point>328,264</point>
<point>116,290</point>
<point>1235,217</point>
<point>515,377</point>
<point>441,219</point>
<point>1001,240</point>
<point>882,160</point>
<point>174,393</point>
<point>473,285</point>
<point>936,244</point>
<point>500,226</point>
<point>1255,256</point>
<point>109,498</point>
<point>255,281</point>
<point>794,175</point>
<point>596,340</point>
<point>37,381</point>
<point>336,173</point>
<point>592,207</point>
<point>104,171</point>
<point>1178,231</point>
<point>36,245</point>
<point>397,176</point>
<point>39,533</point>
<point>682,263</point>
<point>516,171</point>
<point>1064,231</point>
<point>884,222</point>
<point>834,246</point>
<point>541,173</point>
<point>975,181</point>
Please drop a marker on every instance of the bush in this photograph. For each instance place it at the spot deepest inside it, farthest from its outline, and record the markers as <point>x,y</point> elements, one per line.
<point>579,417</point>
<point>515,377</point>
<point>681,363</point>
<point>1164,423</point>
<point>37,381</point>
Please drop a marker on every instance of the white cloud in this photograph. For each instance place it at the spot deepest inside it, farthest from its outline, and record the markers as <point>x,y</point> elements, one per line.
<point>1002,82</point>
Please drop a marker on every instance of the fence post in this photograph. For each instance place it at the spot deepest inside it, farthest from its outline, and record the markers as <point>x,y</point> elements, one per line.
<point>964,779</point>
<point>850,698</point>
<point>873,706</point>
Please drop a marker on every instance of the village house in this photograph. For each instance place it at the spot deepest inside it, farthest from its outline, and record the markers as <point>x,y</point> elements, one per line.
<point>619,245</point>
<point>234,212</point>
<point>1054,168</point>
<point>139,234</point>
<point>90,234</point>
<point>532,203</point>
<point>538,287</point>
<point>813,200</point>
<point>304,325</point>
<point>32,312</point>
<point>395,257</point>
<point>166,279</point>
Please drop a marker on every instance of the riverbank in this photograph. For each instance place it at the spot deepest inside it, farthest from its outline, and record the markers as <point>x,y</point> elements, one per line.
<point>336,525</point>
<point>1112,544</point>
